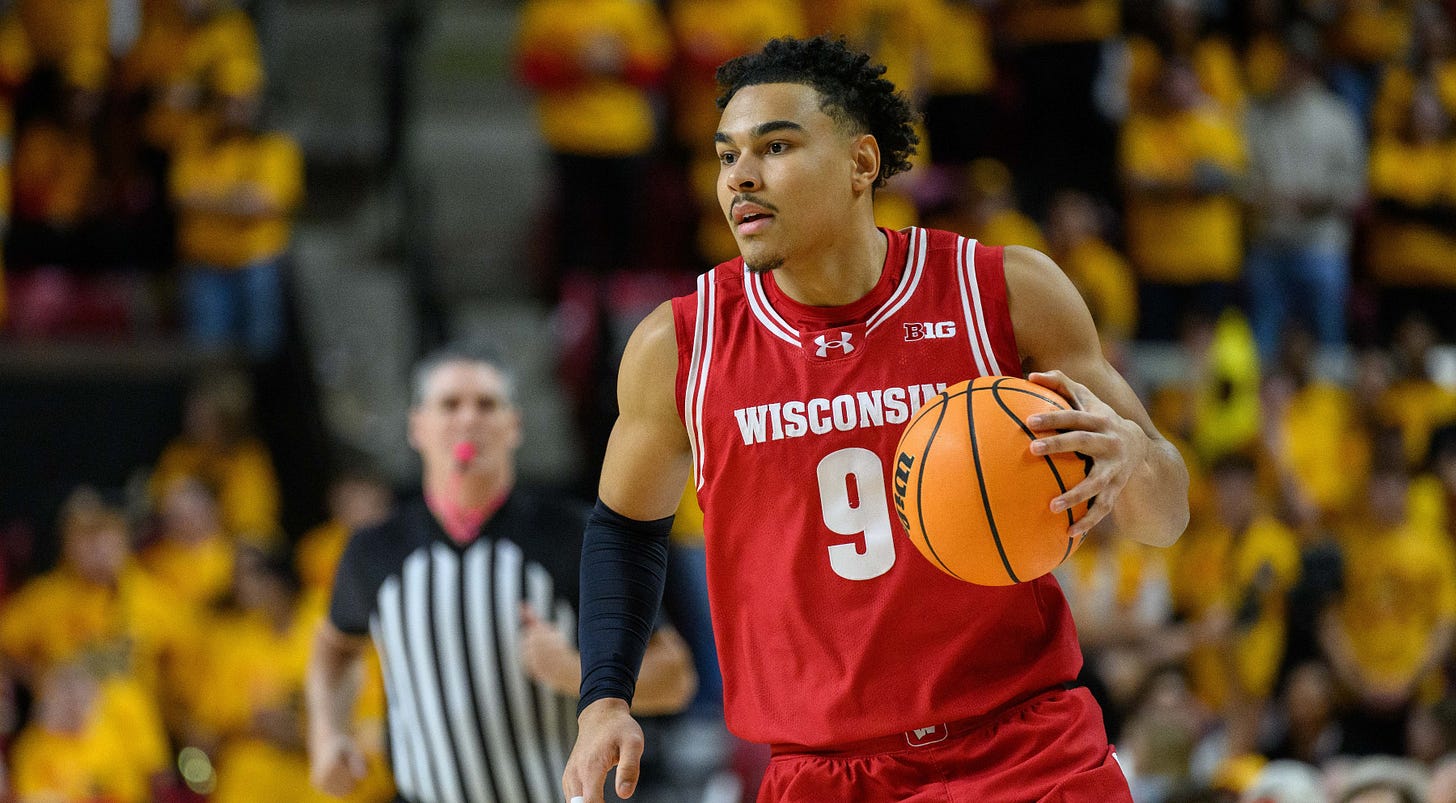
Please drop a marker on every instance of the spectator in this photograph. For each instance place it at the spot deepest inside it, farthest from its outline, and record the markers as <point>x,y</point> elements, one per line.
<point>77,748</point>
<point>97,602</point>
<point>1413,231</point>
<point>236,190</point>
<point>1180,162</point>
<point>357,498</point>
<point>1305,178</point>
<point>217,447</point>
<point>594,66</point>
<point>960,84</point>
<point>191,556</point>
<point>1431,62</point>
<point>1230,577</point>
<point>1303,727</point>
<point>984,209</point>
<point>1415,402</point>
<point>1393,628</point>
<point>1182,31</point>
<point>1075,241</point>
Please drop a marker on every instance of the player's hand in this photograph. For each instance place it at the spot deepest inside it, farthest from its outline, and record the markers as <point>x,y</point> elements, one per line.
<point>607,736</point>
<point>549,658</point>
<point>1116,445</point>
<point>337,765</point>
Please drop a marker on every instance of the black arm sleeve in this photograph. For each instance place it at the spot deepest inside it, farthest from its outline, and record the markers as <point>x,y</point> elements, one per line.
<point>623,570</point>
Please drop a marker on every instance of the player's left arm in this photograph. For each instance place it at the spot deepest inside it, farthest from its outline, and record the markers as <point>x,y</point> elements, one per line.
<point>1137,476</point>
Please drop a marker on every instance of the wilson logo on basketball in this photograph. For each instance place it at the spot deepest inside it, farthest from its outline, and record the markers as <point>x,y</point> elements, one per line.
<point>929,331</point>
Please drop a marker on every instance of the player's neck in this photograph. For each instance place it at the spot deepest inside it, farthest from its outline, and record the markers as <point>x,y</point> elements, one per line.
<point>843,273</point>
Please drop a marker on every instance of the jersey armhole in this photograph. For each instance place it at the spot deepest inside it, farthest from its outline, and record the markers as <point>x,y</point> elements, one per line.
<point>684,321</point>
<point>991,277</point>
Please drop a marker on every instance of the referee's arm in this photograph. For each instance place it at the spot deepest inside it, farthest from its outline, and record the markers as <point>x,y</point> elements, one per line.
<point>335,669</point>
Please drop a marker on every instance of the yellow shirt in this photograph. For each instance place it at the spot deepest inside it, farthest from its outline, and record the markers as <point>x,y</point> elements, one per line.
<point>257,667</point>
<point>1214,62</point>
<point>268,164</point>
<point>1049,21</point>
<point>1248,576</point>
<point>896,33</point>
<point>56,616</point>
<point>198,574</point>
<point>1399,587</point>
<point>75,768</point>
<point>1371,31</point>
<point>55,174</point>
<point>1412,253</point>
<point>1106,282</point>
<point>1182,240</point>
<point>1010,227</point>
<point>597,115</point>
<point>243,479</point>
<point>60,29</point>
<point>223,55</point>
<point>318,552</point>
<point>1418,407</point>
<point>1324,446</point>
<point>959,50</point>
<point>708,33</point>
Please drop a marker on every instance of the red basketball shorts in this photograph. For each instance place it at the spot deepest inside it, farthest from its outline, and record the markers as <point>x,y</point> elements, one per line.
<point>1049,748</point>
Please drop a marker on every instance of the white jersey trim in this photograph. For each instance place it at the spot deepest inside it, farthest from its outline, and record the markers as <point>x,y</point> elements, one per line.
<point>914,269</point>
<point>983,330</point>
<point>966,278</point>
<point>764,311</point>
<point>697,383</point>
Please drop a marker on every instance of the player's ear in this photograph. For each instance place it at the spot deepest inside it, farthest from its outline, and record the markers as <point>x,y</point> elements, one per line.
<point>866,156</point>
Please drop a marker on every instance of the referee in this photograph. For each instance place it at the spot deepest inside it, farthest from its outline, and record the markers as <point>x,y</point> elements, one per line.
<point>446,588</point>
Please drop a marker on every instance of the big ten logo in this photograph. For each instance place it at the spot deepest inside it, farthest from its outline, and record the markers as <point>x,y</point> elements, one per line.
<point>929,331</point>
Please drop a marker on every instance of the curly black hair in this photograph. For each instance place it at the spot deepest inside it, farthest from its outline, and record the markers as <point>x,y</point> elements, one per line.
<point>851,88</point>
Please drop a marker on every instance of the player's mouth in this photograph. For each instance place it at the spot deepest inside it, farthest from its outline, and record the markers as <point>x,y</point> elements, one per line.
<point>751,218</point>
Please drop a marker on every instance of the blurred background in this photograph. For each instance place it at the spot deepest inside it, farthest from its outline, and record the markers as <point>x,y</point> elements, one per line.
<point>230,227</point>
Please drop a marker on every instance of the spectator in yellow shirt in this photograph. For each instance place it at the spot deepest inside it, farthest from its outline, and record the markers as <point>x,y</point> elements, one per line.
<point>984,208</point>
<point>1230,577</point>
<point>252,701</point>
<point>595,66</point>
<point>1105,280</point>
<point>216,447</point>
<point>1432,62</point>
<point>192,556</point>
<point>1413,231</point>
<point>1182,31</point>
<point>357,498</point>
<point>1415,403</point>
<point>235,191</point>
<point>82,745</point>
<point>56,183</point>
<point>1393,628</point>
<point>1180,163</point>
<point>96,603</point>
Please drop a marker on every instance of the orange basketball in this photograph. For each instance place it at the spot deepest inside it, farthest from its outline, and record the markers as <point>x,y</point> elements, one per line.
<point>972,497</point>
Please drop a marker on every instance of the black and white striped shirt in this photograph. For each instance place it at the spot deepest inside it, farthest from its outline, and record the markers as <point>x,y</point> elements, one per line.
<point>466,724</point>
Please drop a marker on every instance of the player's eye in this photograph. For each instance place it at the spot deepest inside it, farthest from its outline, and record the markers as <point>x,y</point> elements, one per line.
<point>727,158</point>
<point>778,147</point>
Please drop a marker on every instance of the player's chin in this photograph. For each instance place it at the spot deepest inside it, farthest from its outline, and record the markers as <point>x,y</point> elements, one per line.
<point>759,259</point>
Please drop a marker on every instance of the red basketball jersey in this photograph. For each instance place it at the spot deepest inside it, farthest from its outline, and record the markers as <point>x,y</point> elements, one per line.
<point>831,627</point>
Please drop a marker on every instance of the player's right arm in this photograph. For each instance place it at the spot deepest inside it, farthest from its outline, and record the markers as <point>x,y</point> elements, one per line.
<point>335,666</point>
<point>643,473</point>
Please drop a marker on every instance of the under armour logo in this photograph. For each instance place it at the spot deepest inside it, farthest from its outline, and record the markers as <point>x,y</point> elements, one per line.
<point>825,344</point>
<point>921,737</point>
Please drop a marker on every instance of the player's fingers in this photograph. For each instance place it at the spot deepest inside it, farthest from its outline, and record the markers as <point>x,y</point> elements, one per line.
<point>629,767</point>
<point>1096,513</point>
<point>1094,444</point>
<point>1064,385</point>
<point>1094,485</point>
<point>1065,419</point>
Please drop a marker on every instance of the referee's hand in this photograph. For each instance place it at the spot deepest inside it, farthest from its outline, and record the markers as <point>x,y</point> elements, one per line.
<point>337,766</point>
<point>607,736</point>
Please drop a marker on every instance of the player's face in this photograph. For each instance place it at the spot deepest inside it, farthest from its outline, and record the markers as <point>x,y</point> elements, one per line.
<point>465,402</point>
<point>786,171</point>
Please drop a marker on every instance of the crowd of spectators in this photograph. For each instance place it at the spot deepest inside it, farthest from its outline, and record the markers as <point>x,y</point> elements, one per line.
<point>144,195</point>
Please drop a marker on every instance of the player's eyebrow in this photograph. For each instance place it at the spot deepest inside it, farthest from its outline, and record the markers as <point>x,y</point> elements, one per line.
<point>761,129</point>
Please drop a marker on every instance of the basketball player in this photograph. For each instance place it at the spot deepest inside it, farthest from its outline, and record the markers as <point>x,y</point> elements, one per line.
<point>781,385</point>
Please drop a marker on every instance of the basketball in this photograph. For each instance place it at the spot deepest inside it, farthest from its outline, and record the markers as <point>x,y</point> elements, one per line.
<point>972,497</point>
